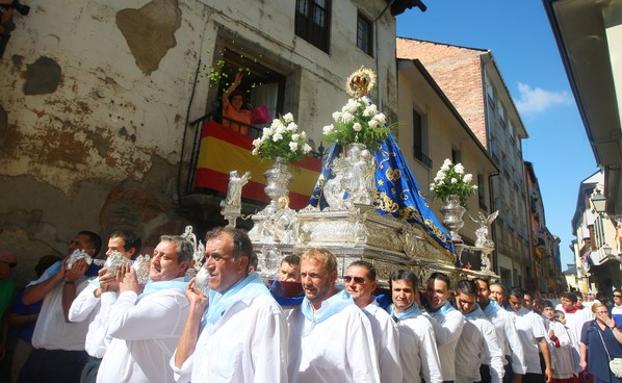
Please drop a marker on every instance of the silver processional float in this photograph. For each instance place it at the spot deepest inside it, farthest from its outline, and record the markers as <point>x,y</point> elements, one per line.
<point>366,204</point>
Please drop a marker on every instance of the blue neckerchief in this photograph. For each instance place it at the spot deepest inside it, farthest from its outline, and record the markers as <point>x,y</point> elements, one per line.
<point>491,309</point>
<point>477,313</point>
<point>444,310</point>
<point>282,299</point>
<point>219,303</point>
<point>410,312</point>
<point>329,307</point>
<point>154,287</point>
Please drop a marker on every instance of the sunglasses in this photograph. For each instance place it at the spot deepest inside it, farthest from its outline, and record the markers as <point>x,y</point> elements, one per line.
<point>357,280</point>
<point>617,296</point>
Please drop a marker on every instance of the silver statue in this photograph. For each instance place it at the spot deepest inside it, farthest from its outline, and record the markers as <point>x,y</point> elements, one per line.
<point>483,241</point>
<point>141,266</point>
<point>232,205</point>
<point>197,246</point>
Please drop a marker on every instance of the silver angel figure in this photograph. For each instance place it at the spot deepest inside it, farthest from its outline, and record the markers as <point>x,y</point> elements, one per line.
<point>232,205</point>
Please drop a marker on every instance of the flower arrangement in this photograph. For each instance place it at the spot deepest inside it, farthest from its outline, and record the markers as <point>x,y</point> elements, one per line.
<point>282,140</point>
<point>451,179</point>
<point>359,120</point>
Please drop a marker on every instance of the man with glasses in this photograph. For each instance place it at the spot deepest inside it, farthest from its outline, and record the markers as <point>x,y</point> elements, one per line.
<point>330,338</point>
<point>145,322</point>
<point>616,309</point>
<point>418,351</point>
<point>360,281</point>
<point>237,333</point>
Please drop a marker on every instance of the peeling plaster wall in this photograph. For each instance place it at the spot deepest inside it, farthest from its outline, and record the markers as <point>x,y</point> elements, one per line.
<point>95,96</point>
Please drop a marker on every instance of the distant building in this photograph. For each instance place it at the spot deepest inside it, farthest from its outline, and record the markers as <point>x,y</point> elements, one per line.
<point>474,85</point>
<point>597,247</point>
<point>431,130</point>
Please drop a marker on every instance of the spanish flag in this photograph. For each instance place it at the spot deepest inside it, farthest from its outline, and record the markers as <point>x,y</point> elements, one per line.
<point>223,150</point>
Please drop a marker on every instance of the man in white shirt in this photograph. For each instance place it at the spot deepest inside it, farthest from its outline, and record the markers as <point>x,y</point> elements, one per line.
<point>530,327</point>
<point>360,281</point>
<point>418,350</point>
<point>59,345</point>
<point>238,333</point>
<point>447,322</point>
<point>97,298</point>
<point>286,289</point>
<point>479,356</point>
<point>330,338</point>
<point>503,321</point>
<point>576,314</point>
<point>145,326</point>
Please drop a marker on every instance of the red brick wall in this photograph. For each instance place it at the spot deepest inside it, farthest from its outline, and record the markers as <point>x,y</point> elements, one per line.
<point>459,74</point>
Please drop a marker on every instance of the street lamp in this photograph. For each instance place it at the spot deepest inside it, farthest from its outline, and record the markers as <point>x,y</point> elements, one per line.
<point>599,201</point>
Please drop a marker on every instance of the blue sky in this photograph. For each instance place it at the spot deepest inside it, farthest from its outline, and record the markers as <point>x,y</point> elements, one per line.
<point>519,35</point>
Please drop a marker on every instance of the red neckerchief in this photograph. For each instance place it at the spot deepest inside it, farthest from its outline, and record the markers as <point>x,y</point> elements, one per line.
<point>573,309</point>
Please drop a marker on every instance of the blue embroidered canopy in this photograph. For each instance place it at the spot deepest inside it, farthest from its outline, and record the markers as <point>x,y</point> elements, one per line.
<point>398,193</point>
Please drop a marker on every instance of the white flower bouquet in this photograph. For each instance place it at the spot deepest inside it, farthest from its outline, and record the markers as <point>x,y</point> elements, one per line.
<point>451,180</point>
<point>282,140</point>
<point>358,122</point>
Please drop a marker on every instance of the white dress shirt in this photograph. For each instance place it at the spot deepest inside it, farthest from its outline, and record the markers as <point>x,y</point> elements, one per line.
<point>339,349</point>
<point>248,344</point>
<point>418,350</point>
<point>386,339</point>
<point>82,309</point>
<point>52,331</point>
<point>530,328</point>
<point>447,328</point>
<point>478,345</point>
<point>504,322</point>
<point>144,332</point>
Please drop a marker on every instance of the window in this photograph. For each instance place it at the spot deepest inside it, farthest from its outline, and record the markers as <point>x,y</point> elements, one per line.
<point>313,22</point>
<point>419,139</point>
<point>481,191</point>
<point>456,155</point>
<point>364,34</point>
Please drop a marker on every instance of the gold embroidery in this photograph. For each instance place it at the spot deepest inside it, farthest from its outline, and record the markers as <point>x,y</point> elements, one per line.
<point>393,174</point>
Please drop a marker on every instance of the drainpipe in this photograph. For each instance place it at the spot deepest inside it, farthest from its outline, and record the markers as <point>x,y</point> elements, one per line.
<point>376,55</point>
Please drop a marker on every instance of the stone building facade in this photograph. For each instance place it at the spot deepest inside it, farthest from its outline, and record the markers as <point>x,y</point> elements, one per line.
<point>97,99</point>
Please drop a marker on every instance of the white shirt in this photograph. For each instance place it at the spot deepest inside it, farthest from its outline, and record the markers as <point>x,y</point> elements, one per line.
<point>248,344</point>
<point>530,328</point>
<point>576,320</point>
<point>478,345</point>
<point>509,341</point>
<point>447,328</point>
<point>562,357</point>
<point>145,331</point>
<point>52,331</point>
<point>387,341</point>
<point>418,350</point>
<point>82,309</point>
<point>339,349</point>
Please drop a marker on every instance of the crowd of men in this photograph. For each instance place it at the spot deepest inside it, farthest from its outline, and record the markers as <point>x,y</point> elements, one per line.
<point>97,326</point>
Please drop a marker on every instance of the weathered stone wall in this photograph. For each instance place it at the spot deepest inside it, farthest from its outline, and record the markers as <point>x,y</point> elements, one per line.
<point>96,95</point>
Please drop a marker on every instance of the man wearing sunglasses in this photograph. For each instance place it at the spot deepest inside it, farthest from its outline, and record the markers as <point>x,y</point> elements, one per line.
<point>360,281</point>
<point>330,338</point>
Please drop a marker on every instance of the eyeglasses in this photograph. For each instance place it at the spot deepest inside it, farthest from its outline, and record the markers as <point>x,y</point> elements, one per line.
<point>357,280</point>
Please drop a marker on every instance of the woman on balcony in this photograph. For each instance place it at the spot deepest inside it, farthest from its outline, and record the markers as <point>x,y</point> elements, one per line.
<point>235,115</point>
